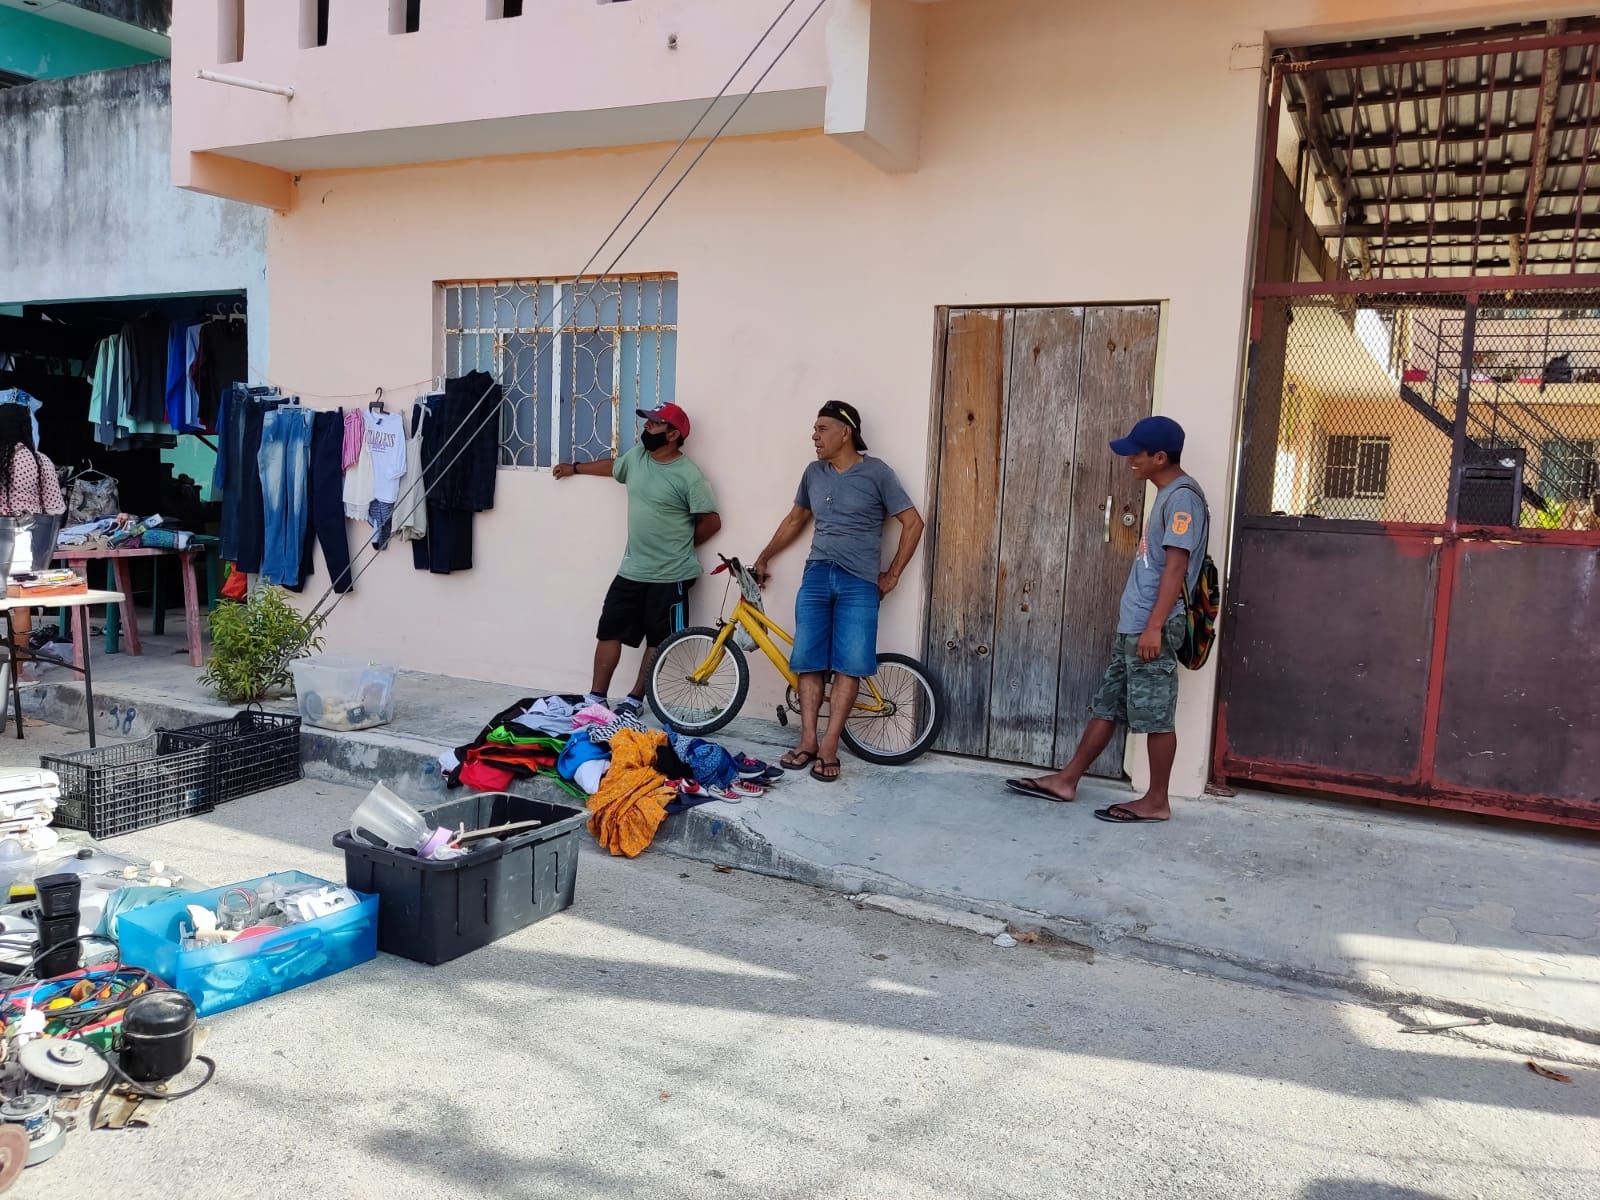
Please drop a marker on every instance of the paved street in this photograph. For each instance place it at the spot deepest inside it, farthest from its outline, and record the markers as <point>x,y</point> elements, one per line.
<point>686,1033</point>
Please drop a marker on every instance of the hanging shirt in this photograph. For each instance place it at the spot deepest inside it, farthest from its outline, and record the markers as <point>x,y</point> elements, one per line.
<point>354,430</point>
<point>386,443</point>
<point>33,478</point>
<point>174,381</point>
<point>191,367</point>
<point>412,514</point>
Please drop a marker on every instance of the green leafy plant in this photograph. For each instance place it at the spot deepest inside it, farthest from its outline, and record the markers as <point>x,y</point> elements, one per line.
<point>252,642</point>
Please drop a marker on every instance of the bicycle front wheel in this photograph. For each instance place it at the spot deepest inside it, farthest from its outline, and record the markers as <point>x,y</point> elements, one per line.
<point>692,706</point>
<point>912,714</point>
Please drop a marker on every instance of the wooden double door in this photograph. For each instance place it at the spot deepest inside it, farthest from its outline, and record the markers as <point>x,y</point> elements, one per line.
<point>1037,522</point>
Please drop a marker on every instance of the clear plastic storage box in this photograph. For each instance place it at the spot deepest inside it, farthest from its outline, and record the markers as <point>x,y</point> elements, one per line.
<point>343,693</point>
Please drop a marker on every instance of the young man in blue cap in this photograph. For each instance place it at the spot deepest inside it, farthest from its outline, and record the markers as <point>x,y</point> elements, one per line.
<point>1140,689</point>
<point>671,511</point>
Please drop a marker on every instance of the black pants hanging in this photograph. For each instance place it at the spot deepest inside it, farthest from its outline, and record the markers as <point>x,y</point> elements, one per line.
<point>326,501</point>
<point>251,544</point>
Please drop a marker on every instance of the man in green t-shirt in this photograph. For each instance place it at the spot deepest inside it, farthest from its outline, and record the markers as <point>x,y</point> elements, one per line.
<point>670,511</point>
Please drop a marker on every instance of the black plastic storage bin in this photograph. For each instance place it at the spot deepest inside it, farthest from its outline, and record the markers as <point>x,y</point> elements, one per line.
<point>431,912</point>
<point>253,751</point>
<point>120,788</point>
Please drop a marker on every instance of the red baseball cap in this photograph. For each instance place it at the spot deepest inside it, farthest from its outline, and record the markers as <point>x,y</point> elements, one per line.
<point>672,415</point>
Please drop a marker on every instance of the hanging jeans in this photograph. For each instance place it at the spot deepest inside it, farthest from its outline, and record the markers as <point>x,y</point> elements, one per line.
<point>284,459</point>
<point>326,504</point>
<point>226,479</point>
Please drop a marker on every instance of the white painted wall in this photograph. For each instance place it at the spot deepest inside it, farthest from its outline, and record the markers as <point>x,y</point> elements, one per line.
<point>88,209</point>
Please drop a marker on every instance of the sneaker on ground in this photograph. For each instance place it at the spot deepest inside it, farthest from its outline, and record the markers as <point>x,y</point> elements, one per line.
<point>628,707</point>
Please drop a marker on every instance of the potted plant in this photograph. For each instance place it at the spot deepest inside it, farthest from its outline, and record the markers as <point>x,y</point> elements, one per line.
<point>252,642</point>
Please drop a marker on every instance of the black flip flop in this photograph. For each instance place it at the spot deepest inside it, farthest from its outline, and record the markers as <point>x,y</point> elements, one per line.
<point>1121,814</point>
<point>1027,787</point>
<point>807,757</point>
<point>823,764</point>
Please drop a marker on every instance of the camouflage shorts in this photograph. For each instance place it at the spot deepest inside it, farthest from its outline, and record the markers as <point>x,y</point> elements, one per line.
<point>1142,695</point>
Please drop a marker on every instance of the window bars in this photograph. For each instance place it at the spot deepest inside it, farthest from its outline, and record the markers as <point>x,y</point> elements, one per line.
<point>574,362</point>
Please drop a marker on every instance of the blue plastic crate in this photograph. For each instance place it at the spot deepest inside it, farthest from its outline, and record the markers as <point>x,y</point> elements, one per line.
<point>226,976</point>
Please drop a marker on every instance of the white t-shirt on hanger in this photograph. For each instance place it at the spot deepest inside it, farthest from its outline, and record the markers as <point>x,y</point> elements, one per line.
<point>386,444</point>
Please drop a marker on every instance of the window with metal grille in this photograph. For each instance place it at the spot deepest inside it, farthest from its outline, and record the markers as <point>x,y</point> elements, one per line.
<point>1357,466</point>
<point>575,361</point>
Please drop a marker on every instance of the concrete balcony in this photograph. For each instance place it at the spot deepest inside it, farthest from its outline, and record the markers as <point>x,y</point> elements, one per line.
<point>470,82</point>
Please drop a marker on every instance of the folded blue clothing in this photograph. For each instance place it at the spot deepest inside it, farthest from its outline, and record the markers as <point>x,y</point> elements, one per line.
<point>579,750</point>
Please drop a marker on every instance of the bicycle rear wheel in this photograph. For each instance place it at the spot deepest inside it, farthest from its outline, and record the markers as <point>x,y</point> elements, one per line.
<point>913,717</point>
<point>683,703</point>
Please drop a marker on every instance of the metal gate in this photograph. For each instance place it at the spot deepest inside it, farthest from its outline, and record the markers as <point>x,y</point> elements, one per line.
<point>1413,604</point>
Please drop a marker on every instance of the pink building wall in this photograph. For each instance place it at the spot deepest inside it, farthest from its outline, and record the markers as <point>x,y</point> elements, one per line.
<point>1069,153</point>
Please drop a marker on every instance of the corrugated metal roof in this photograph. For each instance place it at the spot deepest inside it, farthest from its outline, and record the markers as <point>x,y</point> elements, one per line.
<point>1433,159</point>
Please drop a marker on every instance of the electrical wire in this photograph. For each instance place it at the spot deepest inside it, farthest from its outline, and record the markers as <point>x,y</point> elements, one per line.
<point>358,568</point>
<point>313,616</point>
<point>144,1091</point>
<point>317,614</point>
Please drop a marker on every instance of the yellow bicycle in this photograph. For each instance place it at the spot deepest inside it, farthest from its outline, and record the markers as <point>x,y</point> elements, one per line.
<point>701,677</point>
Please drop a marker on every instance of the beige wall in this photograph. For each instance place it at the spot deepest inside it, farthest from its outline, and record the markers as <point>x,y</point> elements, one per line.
<point>1069,153</point>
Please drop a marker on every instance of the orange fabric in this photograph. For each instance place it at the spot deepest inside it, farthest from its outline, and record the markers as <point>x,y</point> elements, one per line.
<point>633,797</point>
<point>236,586</point>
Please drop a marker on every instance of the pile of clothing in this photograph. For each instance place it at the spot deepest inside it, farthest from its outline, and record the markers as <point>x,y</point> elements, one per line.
<point>123,532</point>
<point>631,777</point>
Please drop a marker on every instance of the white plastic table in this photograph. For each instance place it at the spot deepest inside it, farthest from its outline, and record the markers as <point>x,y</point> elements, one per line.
<point>82,601</point>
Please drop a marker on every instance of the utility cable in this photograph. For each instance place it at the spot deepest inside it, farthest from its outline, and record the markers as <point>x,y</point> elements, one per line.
<point>317,614</point>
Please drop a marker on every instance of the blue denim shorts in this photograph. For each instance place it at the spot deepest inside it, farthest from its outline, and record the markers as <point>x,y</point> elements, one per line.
<point>836,623</point>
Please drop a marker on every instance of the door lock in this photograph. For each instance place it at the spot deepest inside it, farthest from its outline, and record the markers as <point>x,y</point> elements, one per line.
<point>1127,519</point>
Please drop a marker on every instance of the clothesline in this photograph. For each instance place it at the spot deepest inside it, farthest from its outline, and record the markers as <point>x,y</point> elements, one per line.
<point>398,390</point>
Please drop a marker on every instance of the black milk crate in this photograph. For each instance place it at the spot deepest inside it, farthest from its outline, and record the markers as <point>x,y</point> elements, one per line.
<point>253,751</point>
<point>118,789</point>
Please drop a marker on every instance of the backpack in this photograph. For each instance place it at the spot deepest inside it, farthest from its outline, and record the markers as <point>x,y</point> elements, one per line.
<point>1200,611</point>
<point>91,496</point>
<point>1200,606</point>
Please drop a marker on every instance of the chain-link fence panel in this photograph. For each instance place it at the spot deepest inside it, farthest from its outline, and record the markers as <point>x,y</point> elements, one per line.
<point>1354,402</point>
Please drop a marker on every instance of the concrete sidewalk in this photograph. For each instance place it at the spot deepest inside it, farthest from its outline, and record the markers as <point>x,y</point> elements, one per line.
<point>1396,905</point>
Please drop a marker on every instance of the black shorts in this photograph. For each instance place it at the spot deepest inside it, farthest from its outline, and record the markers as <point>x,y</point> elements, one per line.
<point>637,612</point>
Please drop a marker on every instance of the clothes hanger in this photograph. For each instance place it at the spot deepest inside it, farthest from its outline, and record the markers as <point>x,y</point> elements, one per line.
<point>377,404</point>
<point>89,472</point>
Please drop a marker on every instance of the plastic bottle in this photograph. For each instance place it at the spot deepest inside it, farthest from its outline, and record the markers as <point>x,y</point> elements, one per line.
<point>430,785</point>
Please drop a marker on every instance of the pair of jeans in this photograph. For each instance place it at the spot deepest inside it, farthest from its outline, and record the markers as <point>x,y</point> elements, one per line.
<point>836,623</point>
<point>285,460</point>
<point>326,521</point>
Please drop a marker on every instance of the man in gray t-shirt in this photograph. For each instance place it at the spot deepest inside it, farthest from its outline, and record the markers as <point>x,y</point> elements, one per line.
<point>1140,688</point>
<point>849,496</point>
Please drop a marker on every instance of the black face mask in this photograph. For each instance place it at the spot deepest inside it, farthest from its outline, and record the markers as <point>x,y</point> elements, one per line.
<point>653,441</point>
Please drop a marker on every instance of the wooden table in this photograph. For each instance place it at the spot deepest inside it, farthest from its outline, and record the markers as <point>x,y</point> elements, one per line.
<point>82,601</point>
<point>119,564</point>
